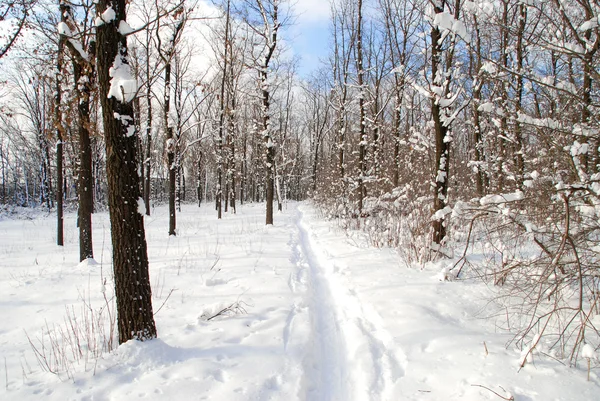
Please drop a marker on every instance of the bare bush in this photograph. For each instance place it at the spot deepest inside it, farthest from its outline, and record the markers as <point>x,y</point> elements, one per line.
<point>85,334</point>
<point>543,256</point>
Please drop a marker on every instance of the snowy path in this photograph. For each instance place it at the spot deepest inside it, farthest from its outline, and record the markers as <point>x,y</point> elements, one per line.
<point>323,316</point>
<point>351,354</point>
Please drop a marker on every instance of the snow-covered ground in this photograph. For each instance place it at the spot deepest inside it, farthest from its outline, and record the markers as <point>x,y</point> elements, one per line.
<point>314,315</point>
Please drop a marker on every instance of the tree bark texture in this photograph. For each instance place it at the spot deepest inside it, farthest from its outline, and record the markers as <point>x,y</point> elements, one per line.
<point>130,257</point>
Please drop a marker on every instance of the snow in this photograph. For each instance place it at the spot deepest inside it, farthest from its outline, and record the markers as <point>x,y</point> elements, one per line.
<point>107,17</point>
<point>590,24</point>
<point>579,149</point>
<point>309,312</point>
<point>63,29</point>
<point>588,352</point>
<point>440,214</point>
<point>501,198</point>
<point>123,85</point>
<point>485,8</point>
<point>489,67</point>
<point>141,206</point>
<point>447,23</point>
<point>124,28</point>
<point>487,107</point>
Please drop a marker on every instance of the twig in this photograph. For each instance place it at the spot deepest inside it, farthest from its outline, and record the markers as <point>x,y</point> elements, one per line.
<point>510,398</point>
<point>463,258</point>
<point>235,308</point>
<point>215,264</point>
<point>166,299</point>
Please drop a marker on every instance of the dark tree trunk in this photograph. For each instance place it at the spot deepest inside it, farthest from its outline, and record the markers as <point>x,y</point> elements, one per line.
<point>148,155</point>
<point>85,179</point>
<point>2,159</point>
<point>172,145</point>
<point>59,139</point>
<point>476,64</point>
<point>199,180</point>
<point>442,161</point>
<point>271,27</point>
<point>231,149</point>
<point>244,171</point>
<point>362,147</point>
<point>130,257</point>
<point>269,150</point>
<point>182,197</point>
<point>170,151</point>
<point>178,198</point>
<point>83,74</point>
<point>148,181</point>
<point>518,145</point>
<point>222,106</point>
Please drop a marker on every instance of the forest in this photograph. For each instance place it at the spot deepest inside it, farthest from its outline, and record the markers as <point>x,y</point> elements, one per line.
<point>460,133</point>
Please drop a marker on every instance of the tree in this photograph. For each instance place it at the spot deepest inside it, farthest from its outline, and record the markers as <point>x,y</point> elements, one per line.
<point>17,12</point>
<point>117,89</point>
<point>82,48</point>
<point>167,53</point>
<point>223,105</point>
<point>263,17</point>
<point>59,138</point>
<point>360,72</point>
<point>442,100</point>
<point>344,38</point>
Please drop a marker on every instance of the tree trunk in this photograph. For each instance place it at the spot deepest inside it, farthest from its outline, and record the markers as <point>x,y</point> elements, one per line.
<point>59,139</point>
<point>172,173</point>
<point>130,257</point>
<point>269,150</point>
<point>362,147</point>
<point>83,75</point>
<point>442,162</point>
<point>85,179</point>
<point>480,184</point>
<point>148,155</point>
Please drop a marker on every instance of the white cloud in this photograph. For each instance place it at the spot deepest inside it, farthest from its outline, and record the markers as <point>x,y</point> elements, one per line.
<point>312,11</point>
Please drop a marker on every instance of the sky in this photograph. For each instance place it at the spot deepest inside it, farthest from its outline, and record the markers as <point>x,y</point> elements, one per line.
<point>309,36</point>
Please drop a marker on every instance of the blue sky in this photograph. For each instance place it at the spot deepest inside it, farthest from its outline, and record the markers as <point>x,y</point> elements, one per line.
<point>309,36</point>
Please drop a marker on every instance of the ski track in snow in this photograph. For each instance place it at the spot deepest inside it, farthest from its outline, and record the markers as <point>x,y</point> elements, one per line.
<point>351,355</point>
<point>326,318</point>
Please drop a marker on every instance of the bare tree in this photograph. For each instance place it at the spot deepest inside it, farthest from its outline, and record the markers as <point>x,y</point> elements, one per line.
<point>17,12</point>
<point>263,17</point>
<point>59,138</point>
<point>82,50</point>
<point>442,65</point>
<point>167,54</point>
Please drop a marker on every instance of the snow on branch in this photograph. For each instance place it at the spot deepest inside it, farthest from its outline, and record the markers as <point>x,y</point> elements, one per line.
<point>64,30</point>
<point>107,17</point>
<point>446,23</point>
<point>495,199</point>
<point>123,85</point>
